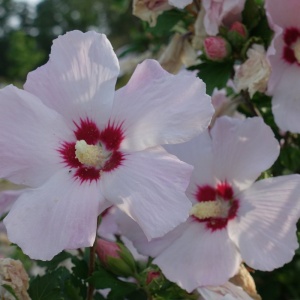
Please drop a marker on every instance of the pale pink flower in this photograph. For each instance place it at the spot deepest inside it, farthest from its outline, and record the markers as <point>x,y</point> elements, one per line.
<point>284,56</point>
<point>221,12</point>
<point>81,147</point>
<point>233,218</point>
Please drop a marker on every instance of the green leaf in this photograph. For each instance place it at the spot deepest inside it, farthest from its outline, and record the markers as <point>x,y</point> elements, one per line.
<point>166,22</point>
<point>46,287</point>
<point>215,74</point>
<point>251,14</point>
<point>102,279</point>
<point>53,263</point>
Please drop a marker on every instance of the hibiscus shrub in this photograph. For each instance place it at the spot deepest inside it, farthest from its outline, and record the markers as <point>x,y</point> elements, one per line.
<point>168,178</point>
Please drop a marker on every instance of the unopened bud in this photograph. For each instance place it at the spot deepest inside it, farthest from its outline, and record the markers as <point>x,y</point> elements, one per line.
<point>115,257</point>
<point>152,275</point>
<point>216,48</point>
<point>237,34</point>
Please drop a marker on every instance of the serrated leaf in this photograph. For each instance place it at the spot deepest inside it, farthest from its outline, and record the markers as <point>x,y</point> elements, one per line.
<point>102,279</point>
<point>45,287</point>
<point>55,261</point>
<point>166,22</point>
<point>81,268</point>
<point>215,74</point>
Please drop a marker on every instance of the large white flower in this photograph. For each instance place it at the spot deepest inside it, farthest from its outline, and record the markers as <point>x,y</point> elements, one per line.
<point>81,147</point>
<point>284,56</point>
<point>233,218</point>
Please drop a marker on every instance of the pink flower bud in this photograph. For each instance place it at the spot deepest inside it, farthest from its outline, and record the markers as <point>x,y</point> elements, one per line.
<point>216,48</point>
<point>107,249</point>
<point>151,276</point>
<point>237,34</point>
<point>239,28</point>
<point>115,257</point>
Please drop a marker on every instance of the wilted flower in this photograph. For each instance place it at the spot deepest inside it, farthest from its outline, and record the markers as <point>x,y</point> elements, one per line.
<point>179,52</point>
<point>221,12</point>
<point>233,218</point>
<point>13,275</point>
<point>253,74</point>
<point>82,147</point>
<point>149,10</point>
<point>284,56</point>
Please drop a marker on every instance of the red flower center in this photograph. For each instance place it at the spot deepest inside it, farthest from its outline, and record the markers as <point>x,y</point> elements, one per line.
<point>291,49</point>
<point>91,141</point>
<point>216,206</point>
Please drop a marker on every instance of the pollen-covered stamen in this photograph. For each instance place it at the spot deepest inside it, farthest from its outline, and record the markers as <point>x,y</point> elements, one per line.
<point>90,155</point>
<point>210,209</point>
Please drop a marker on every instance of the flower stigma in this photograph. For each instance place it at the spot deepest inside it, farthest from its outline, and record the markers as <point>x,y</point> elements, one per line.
<point>90,155</point>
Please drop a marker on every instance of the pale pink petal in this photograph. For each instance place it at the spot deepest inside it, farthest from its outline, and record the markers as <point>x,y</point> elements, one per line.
<point>283,13</point>
<point>108,226</point>
<point>227,291</point>
<point>149,186</point>
<point>157,108</point>
<point>61,214</point>
<point>278,65</point>
<point>242,150</point>
<point>30,134</point>
<point>199,257</point>
<point>134,233</point>
<point>79,79</point>
<point>265,230</point>
<point>198,153</point>
<point>286,100</point>
<point>7,199</point>
<point>180,3</point>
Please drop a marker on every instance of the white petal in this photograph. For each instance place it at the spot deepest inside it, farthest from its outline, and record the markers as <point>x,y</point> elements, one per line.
<point>242,150</point>
<point>286,100</point>
<point>149,186</point>
<point>134,233</point>
<point>7,199</point>
<point>157,108</point>
<point>265,230</point>
<point>61,214</point>
<point>30,136</point>
<point>79,79</point>
<point>199,257</point>
<point>284,13</point>
<point>198,153</point>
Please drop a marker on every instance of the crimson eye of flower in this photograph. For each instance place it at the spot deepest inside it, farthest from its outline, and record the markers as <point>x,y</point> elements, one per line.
<point>95,151</point>
<point>291,49</point>
<point>216,206</point>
